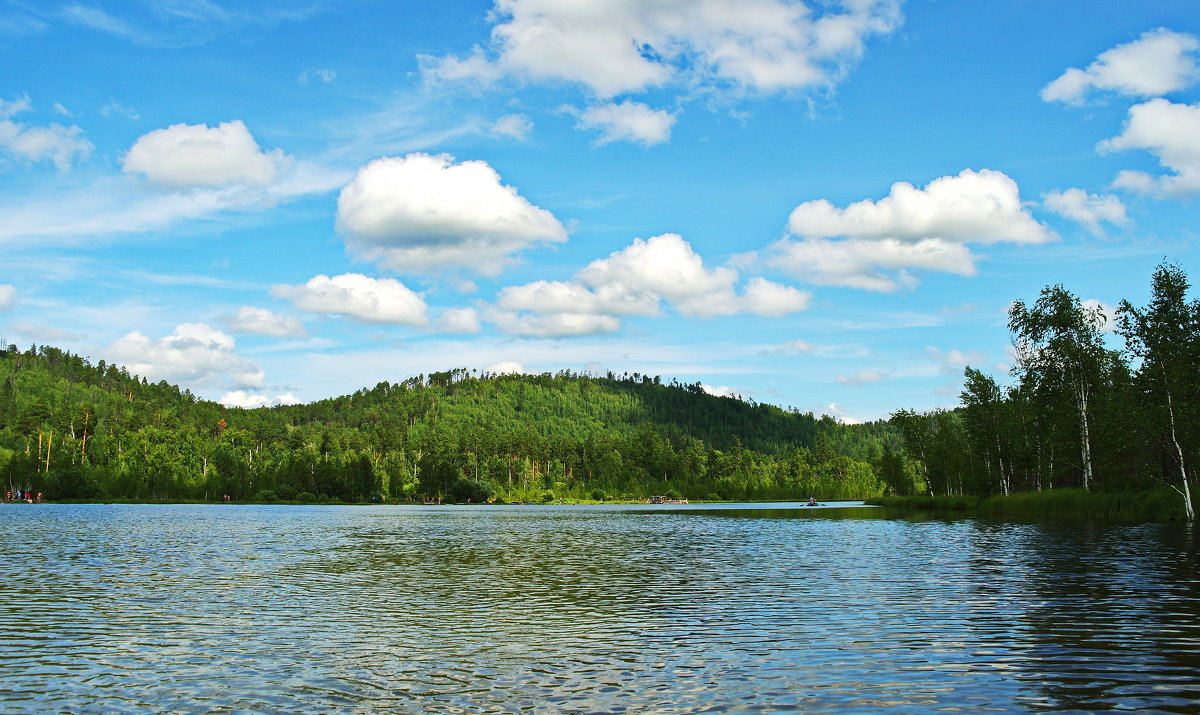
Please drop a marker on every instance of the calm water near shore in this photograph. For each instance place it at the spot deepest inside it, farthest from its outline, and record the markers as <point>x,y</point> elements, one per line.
<point>129,608</point>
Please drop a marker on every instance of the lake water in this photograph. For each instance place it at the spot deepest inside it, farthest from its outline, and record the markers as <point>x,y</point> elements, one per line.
<point>589,609</point>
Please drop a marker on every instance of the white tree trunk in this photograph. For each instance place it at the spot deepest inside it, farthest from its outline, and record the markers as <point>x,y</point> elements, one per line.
<point>1085,442</point>
<point>1187,492</point>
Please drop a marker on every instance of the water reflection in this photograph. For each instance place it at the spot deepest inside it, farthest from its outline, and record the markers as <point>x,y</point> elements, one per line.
<point>130,608</point>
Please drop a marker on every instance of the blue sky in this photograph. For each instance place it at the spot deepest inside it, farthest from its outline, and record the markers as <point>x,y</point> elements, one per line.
<point>821,205</point>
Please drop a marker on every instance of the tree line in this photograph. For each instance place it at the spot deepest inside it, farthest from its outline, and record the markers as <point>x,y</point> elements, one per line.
<point>80,431</point>
<point>1096,402</point>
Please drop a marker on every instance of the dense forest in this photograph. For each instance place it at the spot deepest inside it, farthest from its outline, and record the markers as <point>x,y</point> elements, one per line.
<point>74,430</point>
<point>1097,402</point>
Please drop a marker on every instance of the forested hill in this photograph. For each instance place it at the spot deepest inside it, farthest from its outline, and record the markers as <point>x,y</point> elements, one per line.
<point>75,430</point>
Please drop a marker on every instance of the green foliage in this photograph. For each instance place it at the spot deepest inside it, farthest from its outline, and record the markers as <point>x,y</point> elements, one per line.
<point>1080,415</point>
<point>70,428</point>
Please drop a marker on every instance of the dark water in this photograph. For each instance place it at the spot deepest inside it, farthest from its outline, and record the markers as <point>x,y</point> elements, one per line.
<point>589,609</point>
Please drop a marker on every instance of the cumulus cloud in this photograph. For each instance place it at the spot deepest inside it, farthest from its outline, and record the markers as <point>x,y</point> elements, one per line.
<point>8,296</point>
<point>462,321</point>
<point>195,354</point>
<point>359,297</point>
<point>1158,62</point>
<point>878,241</point>
<point>59,145</point>
<point>422,212</point>
<point>880,265</point>
<point>1169,131</point>
<point>1107,311</point>
<point>260,321</point>
<point>504,367</point>
<point>617,47</point>
<point>763,297</point>
<point>514,126</point>
<point>977,206</point>
<point>721,391</point>
<point>628,121</point>
<point>666,266</point>
<point>636,280</point>
<point>1088,209</point>
<point>251,400</point>
<point>554,325</point>
<point>186,155</point>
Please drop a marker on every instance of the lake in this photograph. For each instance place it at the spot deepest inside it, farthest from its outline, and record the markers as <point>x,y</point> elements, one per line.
<point>192,608</point>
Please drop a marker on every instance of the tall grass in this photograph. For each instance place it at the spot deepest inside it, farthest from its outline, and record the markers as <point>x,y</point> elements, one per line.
<point>1138,506</point>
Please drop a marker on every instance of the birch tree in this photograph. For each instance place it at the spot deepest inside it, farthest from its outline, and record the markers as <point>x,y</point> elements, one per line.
<point>1059,342</point>
<point>1166,337</point>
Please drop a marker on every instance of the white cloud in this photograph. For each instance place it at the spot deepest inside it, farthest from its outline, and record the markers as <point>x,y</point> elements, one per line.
<point>628,121</point>
<point>97,19</point>
<point>722,391</point>
<point>839,413</point>
<point>555,325</point>
<point>504,367</point>
<point>763,297</point>
<point>1108,312</point>
<point>514,126</point>
<point>8,296</point>
<point>862,377</point>
<point>195,355</point>
<point>617,47</point>
<point>251,400</point>
<point>635,281</point>
<point>462,321</point>
<point>791,347</point>
<point>325,75</point>
<point>116,108</point>
<point>55,143</point>
<point>909,228</point>
<point>976,206</point>
<point>1088,209</point>
<point>665,266</point>
<point>186,155</point>
<point>422,212</point>
<point>566,297</point>
<point>260,321</point>
<point>1158,62</point>
<point>367,300</point>
<point>880,265</point>
<point>953,361</point>
<point>1169,131</point>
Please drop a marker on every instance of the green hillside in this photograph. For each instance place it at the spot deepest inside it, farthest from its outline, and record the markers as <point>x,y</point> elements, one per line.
<point>74,430</point>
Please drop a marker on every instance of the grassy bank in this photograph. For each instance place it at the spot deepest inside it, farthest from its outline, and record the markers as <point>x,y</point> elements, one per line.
<point>1152,505</point>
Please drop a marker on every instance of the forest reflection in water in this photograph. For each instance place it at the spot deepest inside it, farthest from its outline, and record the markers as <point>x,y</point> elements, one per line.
<point>592,609</point>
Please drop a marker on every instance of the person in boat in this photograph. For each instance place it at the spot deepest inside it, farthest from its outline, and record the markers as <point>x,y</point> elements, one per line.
<point>812,501</point>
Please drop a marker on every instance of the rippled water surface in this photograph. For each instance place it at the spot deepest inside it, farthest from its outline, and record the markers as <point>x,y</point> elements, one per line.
<point>589,609</point>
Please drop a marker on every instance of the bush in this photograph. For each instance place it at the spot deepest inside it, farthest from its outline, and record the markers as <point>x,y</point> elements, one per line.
<point>266,495</point>
<point>307,497</point>
<point>465,490</point>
